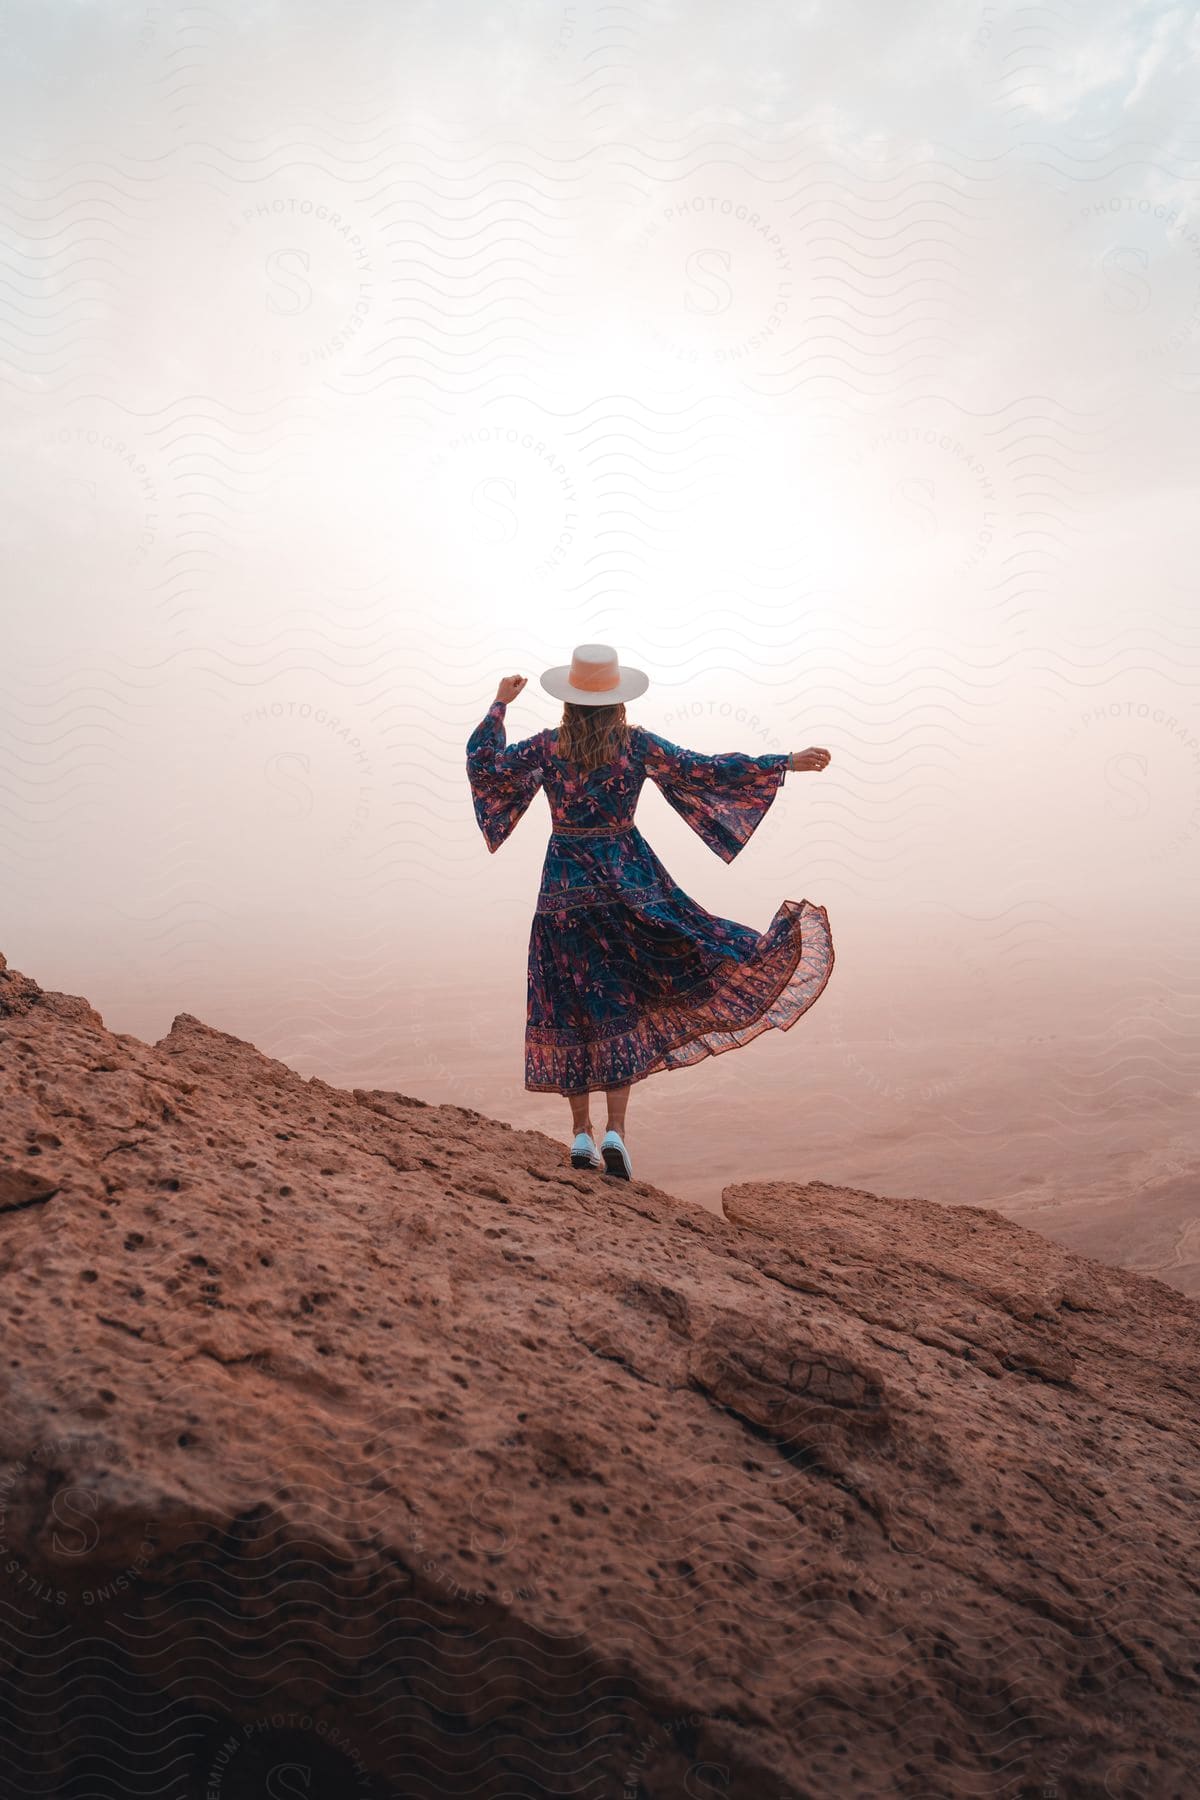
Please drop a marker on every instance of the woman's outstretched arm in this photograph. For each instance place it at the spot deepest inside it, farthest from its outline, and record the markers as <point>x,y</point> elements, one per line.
<point>503,779</point>
<point>723,797</point>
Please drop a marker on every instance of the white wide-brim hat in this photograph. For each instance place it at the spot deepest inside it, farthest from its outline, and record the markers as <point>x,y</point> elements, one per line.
<point>594,677</point>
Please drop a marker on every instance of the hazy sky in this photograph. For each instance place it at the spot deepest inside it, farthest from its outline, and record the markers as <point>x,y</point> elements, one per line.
<point>840,365</point>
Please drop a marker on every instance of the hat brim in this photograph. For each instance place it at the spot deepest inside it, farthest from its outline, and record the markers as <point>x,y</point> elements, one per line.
<point>557,681</point>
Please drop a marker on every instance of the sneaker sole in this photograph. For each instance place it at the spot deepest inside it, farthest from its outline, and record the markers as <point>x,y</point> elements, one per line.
<point>614,1163</point>
<point>583,1162</point>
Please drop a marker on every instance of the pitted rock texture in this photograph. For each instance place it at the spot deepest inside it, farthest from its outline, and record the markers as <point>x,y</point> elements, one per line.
<point>361,1445</point>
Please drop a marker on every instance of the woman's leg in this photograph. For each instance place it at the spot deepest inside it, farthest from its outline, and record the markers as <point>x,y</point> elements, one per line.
<point>581,1117</point>
<point>618,1100</point>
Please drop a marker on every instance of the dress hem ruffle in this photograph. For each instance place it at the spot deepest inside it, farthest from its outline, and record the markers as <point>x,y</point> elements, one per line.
<point>679,1035</point>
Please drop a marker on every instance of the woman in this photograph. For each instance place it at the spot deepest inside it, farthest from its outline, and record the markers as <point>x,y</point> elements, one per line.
<point>627,974</point>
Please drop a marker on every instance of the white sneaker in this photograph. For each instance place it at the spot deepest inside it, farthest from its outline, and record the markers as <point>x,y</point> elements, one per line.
<point>616,1157</point>
<point>584,1154</point>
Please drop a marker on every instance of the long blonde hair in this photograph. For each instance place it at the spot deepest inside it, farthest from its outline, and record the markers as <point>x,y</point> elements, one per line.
<point>590,736</point>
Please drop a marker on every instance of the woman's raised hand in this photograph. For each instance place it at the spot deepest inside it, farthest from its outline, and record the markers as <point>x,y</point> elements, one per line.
<point>510,687</point>
<point>808,759</point>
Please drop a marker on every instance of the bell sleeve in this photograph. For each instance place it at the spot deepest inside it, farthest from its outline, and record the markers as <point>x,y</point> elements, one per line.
<point>723,798</point>
<point>503,781</point>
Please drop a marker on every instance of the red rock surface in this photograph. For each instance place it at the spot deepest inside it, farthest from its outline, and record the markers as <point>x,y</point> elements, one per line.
<point>357,1446</point>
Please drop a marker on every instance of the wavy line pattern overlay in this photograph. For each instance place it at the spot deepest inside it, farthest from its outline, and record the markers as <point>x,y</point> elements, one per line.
<point>840,367</point>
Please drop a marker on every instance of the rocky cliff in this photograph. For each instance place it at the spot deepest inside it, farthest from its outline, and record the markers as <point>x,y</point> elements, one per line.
<point>354,1446</point>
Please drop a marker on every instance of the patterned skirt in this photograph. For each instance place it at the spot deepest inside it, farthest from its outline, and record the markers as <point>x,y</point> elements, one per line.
<point>628,975</point>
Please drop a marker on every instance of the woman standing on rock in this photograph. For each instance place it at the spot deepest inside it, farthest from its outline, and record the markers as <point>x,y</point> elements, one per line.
<point>627,974</point>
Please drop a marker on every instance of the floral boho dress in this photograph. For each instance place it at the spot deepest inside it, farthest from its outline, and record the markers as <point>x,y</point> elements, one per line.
<point>627,974</point>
